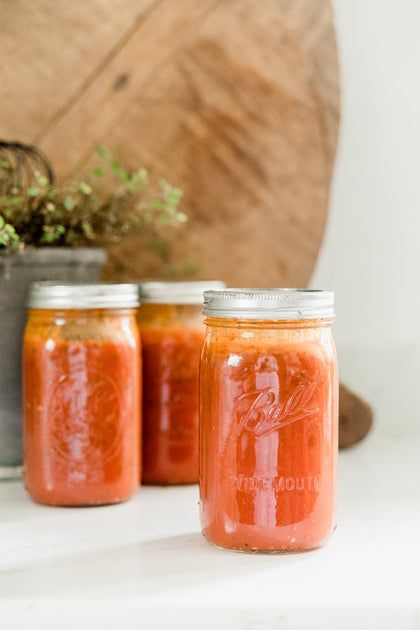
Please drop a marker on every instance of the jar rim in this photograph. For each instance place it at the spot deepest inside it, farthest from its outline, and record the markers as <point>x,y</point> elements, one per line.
<point>269,304</point>
<point>80,295</point>
<point>176,292</point>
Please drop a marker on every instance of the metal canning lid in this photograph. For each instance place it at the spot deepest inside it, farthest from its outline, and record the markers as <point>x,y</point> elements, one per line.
<point>273,304</point>
<point>75,295</point>
<point>189,292</point>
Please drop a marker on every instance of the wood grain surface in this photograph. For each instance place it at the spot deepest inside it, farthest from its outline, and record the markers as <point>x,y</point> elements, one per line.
<point>237,101</point>
<point>356,417</point>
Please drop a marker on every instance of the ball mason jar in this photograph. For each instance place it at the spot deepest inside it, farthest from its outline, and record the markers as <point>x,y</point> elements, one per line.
<point>81,373</point>
<point>172,332</point>
<point>268,420</point>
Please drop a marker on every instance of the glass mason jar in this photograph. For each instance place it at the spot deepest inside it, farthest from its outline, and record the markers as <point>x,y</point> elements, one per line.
<point>172,333</point>
<point>269,420</point>
<point>81,373</point>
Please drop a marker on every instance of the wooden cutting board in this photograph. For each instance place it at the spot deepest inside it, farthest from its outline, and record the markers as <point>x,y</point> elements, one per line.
<point>236,101</point>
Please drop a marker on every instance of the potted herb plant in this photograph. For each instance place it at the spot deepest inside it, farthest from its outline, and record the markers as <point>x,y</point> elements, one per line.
<point>58,232</point>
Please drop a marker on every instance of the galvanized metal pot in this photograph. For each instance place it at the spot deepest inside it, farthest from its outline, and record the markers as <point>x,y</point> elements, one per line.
<point>17,272</point>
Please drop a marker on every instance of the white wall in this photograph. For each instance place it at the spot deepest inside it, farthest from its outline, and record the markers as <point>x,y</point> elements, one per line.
<point>371,251</point>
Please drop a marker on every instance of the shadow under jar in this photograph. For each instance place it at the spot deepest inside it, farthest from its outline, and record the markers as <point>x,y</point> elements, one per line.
<point>172,333</point>
<point>81,372</point>
<point>268,420</point>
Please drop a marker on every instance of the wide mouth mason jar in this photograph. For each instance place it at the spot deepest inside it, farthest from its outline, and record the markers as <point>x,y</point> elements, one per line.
<point>81,373</point>
<point>268,419</point>
<point>172,332</point>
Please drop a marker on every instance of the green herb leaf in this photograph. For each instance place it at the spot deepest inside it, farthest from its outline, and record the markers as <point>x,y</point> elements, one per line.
<point>97,171</point>
<point>103,152</point>
<point>120,172</point>
<point>52,233</point>
<point>87,229</point>
<point>33,191</point>
<point>10,230</point>
<point>42,180</point>
<point>173,196</point>
<point>84,188</point>
<point>69,203</point>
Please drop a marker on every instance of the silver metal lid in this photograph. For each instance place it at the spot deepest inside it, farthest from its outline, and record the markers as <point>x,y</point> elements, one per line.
<point>79,295</point>
<point>190,292</point>
<point>274,304</point>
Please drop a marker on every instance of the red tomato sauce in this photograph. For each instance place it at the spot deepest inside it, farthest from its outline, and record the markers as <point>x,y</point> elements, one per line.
<point>82,426</point>
<point>268,443</point>
<point>171,359</point>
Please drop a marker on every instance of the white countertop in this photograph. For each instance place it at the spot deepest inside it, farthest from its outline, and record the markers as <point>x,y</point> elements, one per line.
<point>146,559</point>
<point>145,565</point>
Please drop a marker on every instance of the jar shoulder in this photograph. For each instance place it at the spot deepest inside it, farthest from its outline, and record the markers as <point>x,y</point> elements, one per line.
<point>170,317</point>
<point>84,326</point>
<point>225,341</point>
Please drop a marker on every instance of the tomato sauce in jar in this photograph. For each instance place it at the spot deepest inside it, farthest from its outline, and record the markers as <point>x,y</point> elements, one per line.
<point>172,332</point>
<point>269,420</point>
<point>81,371</point>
